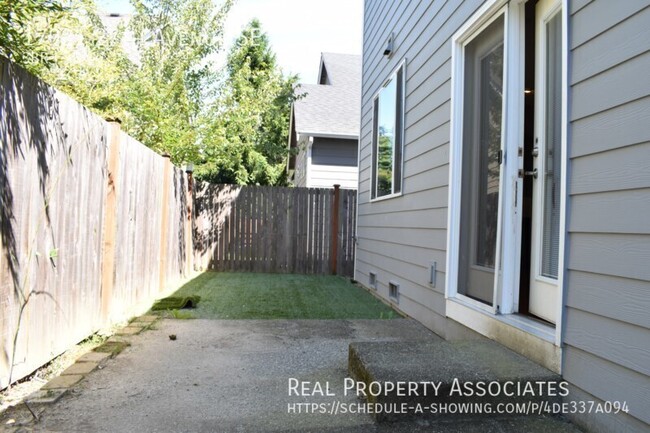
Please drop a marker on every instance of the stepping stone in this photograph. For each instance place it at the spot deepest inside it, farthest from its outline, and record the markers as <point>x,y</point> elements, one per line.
<point>80,368</point>
<point>63,382</point>
<point>129,330</point>
<point>97,357</point>
<point>148,318</point>
<point>113,348</point>
<point>143,325</point>
<point>49,396</point>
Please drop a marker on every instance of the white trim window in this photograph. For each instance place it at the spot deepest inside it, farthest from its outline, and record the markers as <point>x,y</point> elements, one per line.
<point>502,161</point>
<point>388,137</point>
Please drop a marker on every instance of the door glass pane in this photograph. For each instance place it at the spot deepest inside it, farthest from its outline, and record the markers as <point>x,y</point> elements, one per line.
<point>488,158</point>
<point>552,170</point>
<point>481,166</point>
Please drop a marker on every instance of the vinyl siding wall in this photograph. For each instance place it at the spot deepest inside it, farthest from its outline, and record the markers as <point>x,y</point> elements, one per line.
<point>607,322</point>
<point>333,161</point>
<point>607,290</point>
<point>300,174</point>
<point>401,236</point>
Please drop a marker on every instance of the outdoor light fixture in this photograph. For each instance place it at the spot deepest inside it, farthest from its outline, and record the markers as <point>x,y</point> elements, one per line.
<point>389,46</point>
<point>189,168</point>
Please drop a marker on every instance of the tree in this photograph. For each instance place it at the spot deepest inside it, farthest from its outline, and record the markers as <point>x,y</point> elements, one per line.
<point>165,96</point>
<point>232,123</point>
<point>88,63</point>
<point>18,44</point>
<point>160,99</point>
<point>247,141</point>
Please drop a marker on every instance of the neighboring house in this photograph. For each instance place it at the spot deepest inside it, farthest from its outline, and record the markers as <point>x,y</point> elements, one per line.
<point>325,125</point>
<point>505,182</point>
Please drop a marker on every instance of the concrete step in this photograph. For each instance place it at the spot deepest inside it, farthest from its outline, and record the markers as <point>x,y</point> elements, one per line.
<point>443,380</point>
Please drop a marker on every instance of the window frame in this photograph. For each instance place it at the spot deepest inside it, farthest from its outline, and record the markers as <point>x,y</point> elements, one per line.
<point>399,136</point>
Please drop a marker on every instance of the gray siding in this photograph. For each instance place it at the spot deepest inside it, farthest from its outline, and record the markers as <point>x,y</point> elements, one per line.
<point>300,174</point>
<point>607,289</point>
<point>333,161</point>
<point>607,317</point>
<point>399,237</point>
<point>331,151</point>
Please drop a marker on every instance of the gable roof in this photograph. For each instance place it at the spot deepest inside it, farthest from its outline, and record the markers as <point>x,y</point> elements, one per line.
<point>341,69</point>
<point>333,109</point>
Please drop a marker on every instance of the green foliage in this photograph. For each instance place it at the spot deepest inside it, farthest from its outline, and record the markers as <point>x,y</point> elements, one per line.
<point>165,98</point>
<point>246,141</point>
<point>181,315</point>
<point>385,163</point>
<point>169,95</point>
<point>17,43</point>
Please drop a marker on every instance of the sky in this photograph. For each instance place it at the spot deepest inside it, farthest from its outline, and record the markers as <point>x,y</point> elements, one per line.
<point>299,30</point>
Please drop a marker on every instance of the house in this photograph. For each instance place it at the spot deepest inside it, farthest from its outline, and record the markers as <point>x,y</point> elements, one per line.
<point>324,125</point>
<point>504,184</point>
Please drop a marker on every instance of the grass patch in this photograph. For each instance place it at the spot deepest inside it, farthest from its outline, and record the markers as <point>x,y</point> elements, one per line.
<point>180,314</point>
<point>281,296</point>
<point>112,347</point>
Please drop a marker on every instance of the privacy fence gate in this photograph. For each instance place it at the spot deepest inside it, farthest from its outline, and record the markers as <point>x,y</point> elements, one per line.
<point>274,229</point>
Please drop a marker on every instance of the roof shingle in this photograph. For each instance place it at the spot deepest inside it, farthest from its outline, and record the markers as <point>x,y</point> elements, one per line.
<point>331,109</point>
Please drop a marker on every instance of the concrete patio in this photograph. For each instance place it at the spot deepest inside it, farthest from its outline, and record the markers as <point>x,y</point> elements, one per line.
<point>233,375</point>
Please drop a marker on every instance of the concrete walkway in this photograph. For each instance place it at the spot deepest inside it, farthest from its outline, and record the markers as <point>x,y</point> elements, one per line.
<point>222,376</point>
<point>234,376</point>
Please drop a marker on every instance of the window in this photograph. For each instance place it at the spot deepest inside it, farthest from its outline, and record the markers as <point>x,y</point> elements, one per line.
<point>372,280</point>
<point>393,291</point>
<point>387,137</point>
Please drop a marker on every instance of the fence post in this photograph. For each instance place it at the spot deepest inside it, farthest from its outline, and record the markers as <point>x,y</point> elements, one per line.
<point>164,225</point>
<point>110,221</point>
<point>189,227</point>
<point>335,229</point>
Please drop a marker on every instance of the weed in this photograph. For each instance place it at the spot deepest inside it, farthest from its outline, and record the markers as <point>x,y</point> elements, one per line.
<point>181,314</point>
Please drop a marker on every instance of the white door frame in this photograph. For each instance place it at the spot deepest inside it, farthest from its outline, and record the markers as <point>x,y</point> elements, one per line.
<point>507,282</point>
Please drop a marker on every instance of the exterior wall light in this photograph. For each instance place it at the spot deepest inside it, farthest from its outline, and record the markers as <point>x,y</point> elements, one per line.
<point>388,51</point>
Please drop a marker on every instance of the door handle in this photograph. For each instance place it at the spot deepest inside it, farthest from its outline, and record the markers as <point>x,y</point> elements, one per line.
<point>532,173</point>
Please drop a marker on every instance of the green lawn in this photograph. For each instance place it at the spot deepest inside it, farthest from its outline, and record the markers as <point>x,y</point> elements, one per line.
<point>280,296</point>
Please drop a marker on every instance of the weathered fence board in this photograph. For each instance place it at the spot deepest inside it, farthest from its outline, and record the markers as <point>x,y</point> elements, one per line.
<point>61,277</point>
<point>272,229</point>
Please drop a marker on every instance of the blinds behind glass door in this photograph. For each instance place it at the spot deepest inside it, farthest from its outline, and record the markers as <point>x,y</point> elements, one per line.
<point>552,170</point>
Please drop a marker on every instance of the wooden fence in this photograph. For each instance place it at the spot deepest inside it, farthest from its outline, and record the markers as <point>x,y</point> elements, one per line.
<point>272,229</point>
<point>93,224</point>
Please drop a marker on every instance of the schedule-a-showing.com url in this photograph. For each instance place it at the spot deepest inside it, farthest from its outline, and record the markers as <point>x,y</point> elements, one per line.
<point>451,408</point>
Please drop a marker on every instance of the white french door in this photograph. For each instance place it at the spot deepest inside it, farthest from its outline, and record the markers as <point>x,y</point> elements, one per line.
<point>506,160</point>
<point>481,155</point>
<point>547,151</point>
